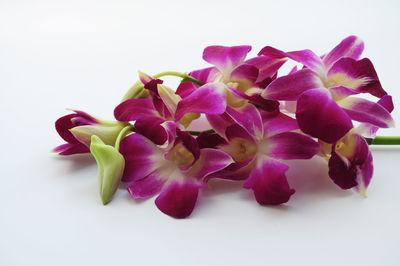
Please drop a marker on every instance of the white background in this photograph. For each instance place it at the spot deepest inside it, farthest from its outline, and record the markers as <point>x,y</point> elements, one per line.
<point>85,54</point>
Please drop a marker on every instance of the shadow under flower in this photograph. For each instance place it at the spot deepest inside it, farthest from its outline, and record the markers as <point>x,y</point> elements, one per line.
<point>76,162</point>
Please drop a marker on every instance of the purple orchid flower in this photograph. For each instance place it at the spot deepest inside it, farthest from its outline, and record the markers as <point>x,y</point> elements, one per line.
<point>239,81</point>
<point>176,172</point>
<point>349,159</point>
<point>76,129</point>
<point>350,163</point>
<point>322,89</point>
<point>156,116</point>
<point>258,143</point>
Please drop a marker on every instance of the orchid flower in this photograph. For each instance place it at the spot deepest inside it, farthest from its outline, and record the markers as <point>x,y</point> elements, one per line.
<point>258,143</point>
<point>349,159</point>
<point>151,147</point>
<point>176,172</point>
<point>240,81</point>
<point>77,129</point>
<point>156,116</point>
<point>323,90</point>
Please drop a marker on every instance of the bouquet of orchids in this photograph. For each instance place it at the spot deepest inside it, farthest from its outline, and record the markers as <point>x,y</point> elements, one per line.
<point>252,121</point>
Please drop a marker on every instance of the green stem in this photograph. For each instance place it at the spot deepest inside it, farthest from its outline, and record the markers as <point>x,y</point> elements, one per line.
<point>122,134</point>
<point>196,133</point>
<point>384,140</point>
<point>184,76</point>
<point>137,90</point>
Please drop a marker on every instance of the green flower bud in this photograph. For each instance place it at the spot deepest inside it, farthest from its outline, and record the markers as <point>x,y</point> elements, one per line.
<point>111,166</point>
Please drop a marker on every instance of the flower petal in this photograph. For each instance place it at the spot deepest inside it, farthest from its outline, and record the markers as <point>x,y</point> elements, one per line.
<point>351,47</point>
<point>291,145</point>
<point>341,92</point>
<point>133,109</point>
<point>63,125</point>
<point>290,87</point>
<point>178,198</point>
<point>268,66</point>
<point>168,97</point>
<point>269,183</point>
<point>277,123</point>
<point>319,116</point>
<point>358,75</point>
<point>342,174</point>
<point>220,122</point>
<point>189,142</point>
<point>71,148</point>
<point>152,129</point>
<point>210,161</point>
<point>147,187</point>
<point>349,157</point>
<point>249,118</point>
<point>226,58</point>
<point>366,111</point>
<point>205,75</point>
<point>208,99</point>
<point>245,72</point>
<point>305,57</point>
<point>206,140</point>
<point>365,175</point>
<point>142,157</point>
<point>368,130</point>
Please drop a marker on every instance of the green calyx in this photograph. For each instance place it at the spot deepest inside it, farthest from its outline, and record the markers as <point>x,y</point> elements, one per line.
<point>110,165</point>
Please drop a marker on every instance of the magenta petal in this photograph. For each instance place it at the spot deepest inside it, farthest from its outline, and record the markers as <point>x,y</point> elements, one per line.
<point>366,111</point>
<point>319,116</point>
<point>305,57</point>
<point>369,130</point>
<point>365,175</point>
<point>341,92</point>
<point>351,47</point>
<point>292,145</point>
<point>234,171</point>
<point>272,52</point>
<point>205,75</point>
<point>189,142</point>
<point>142,157</point>
<point>63,125</point>
<point>290,87</point>
<point>206,140</point>
<point>210,161</point>
<point>277,123</point>
<point>248,117</point>
<point>71,148</point>
<point>146,187</point>
<point>226,58</point>
<point>152,129</point>
<point>208,99</point>
<point>361,72</point>
<point>387,102</point>
<point>133,109</point>
<point>237,131</point>
<point>178,199</point>
<point>348,172</point>
<point>269,183</point>
<point>309,59</point>
<point>341,173</point>
<point>220,122</point>
<point>267,66</point>
<point>245,72</point>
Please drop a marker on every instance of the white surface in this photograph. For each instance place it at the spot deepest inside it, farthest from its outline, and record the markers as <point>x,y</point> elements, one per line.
<point>85,54</point>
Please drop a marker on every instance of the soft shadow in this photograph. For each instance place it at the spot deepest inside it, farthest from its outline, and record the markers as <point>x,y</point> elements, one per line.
<point>220,186</point>
<point>76,162</point>
<point>311,177</point>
